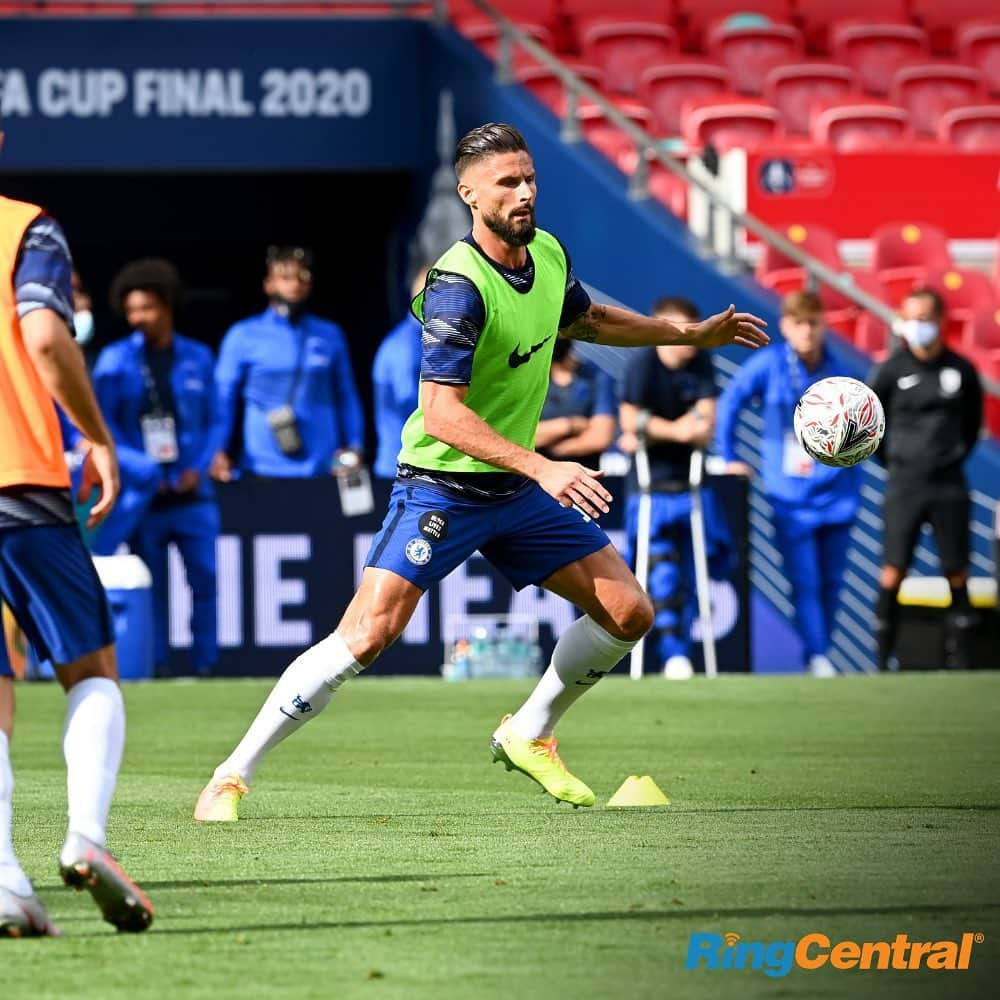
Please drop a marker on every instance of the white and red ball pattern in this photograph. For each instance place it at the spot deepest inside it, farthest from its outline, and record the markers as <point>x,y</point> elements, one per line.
<point>839,421</point>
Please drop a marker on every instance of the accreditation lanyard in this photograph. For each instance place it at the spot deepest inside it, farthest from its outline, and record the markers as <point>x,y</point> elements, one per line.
<point>795,462</point>
<point>159,430</point>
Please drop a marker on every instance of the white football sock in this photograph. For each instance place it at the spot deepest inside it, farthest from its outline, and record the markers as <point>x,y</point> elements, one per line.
<point>300,694</point>
<point>11,873</point>
<point>93,739</point>
<point>584,653</point>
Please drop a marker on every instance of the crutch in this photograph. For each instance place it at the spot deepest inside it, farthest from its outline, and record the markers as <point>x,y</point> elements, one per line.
<point>641,459</point>
<point>698,546</point>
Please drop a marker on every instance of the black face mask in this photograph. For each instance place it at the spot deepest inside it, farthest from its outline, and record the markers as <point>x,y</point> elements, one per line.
<point>290,310</point>
<point>561,349</point>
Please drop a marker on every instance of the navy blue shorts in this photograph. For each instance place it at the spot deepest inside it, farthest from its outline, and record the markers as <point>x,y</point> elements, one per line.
<point>428,532</point>
<point>48,580</point>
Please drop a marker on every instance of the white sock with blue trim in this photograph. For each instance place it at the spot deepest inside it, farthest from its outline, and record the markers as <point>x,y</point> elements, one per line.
<point>584,653</point>
<point>93,741</point>
<point>300,694</point>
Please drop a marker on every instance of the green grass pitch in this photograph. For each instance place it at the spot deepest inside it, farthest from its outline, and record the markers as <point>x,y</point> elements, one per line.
<point>381,856</point>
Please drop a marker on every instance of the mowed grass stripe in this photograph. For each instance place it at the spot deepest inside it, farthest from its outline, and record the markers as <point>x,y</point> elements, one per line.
<point>380,855</point>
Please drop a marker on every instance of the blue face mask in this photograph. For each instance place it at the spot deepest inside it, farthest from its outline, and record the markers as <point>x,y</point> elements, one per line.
<point>920,333</point>
<point>83,326</point>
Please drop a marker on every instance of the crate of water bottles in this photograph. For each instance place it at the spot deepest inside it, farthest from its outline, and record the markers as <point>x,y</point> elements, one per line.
<point>491,645</point>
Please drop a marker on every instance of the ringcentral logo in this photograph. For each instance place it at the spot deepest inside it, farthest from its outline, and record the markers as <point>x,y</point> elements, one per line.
<point>814,951</point>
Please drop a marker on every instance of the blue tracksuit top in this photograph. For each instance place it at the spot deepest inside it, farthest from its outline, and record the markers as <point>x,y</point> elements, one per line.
<point>396,380</point>
<point>258,360</point>
<point>775,378</point>
<point>121,391</point>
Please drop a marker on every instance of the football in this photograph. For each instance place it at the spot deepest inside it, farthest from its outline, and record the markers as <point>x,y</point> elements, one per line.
<point>839,421</point>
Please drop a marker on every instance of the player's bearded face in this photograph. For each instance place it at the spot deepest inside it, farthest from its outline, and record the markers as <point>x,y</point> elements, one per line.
<point>516,227</point>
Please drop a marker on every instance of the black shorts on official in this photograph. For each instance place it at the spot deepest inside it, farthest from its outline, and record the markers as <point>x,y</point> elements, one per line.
<point>48,580</point>
<point>908,506</point>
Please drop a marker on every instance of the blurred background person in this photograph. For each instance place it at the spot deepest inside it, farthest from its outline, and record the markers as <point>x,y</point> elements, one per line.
<point>291,372</point>
<point>669,395</point>
<point>933,405</point>
<point>157,393</point>
<point>579,419</point>
<point>814,505</point>
<point>396,383</point>
<point>83,318</point>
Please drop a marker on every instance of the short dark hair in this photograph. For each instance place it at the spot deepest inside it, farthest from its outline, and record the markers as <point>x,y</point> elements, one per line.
<point>150,274</point>
<point>924,292</point>
<point>493,137</point>
<point>677,304</point>
<point>801,303</point>
<point>289,253</point>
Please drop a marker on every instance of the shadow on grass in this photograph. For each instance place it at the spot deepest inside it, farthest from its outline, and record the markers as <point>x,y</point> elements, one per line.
<point>242,882</point>
<point>607,916</point>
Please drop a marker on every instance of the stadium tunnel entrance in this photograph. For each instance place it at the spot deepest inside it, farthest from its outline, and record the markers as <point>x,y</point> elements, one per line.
<point>216,228</point>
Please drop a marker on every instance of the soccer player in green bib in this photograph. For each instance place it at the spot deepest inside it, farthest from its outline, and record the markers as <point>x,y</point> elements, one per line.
<point>469,478</point>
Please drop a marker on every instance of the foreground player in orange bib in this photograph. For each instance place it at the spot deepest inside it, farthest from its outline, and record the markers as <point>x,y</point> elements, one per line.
<point>47,577</point>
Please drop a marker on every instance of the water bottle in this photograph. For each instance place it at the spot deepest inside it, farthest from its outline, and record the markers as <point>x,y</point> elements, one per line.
<point>458,668</point>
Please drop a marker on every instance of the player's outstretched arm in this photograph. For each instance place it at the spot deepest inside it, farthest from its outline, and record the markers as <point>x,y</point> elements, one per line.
<point>604,324</point>
<point>447,418</point>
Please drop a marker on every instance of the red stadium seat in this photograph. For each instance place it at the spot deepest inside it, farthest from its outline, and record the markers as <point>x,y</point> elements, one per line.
<point>996,267</point>
<point>486,35</point>
<point>974,129</point>
<point>928,89</point>
<point>664,89</point>
<point>845,315</point>
<point>871,335</point>
<point>903,252</point>
<point>668,189</point>
<point>861,124</point>
<point>939,17</point>
<point>795,88</point>
<point>606,136</point>
<point>695,16</point>
<point>624,50</point>
<point>782,274</point>
<point>583,13</point>
<point>548,87</point>
<point>987,363</point>
<point>529,11</point>
<point>729,121</point>
<point>876,51</point>
<point>983,332</point>
<point>748,51</point>
<point>979,45</point>
<point>965,293</point>
<point>816,16</point>
<point>664,185</point>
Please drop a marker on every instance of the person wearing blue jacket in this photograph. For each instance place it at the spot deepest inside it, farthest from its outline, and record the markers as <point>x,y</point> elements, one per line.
<point>814,505</point>
<point>157,394</point>
<point>291,371</point>
<point>396,383</point>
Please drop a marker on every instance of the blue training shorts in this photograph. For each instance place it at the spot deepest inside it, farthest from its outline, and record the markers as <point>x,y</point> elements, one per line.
<point>428,532</point>
<point>48,580</point>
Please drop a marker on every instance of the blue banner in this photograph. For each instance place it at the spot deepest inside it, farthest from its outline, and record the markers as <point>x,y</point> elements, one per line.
<point>284,580</point>
<point>213,94</point>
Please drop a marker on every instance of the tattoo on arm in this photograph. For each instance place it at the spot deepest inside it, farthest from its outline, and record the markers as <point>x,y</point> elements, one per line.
<point>588,326</point>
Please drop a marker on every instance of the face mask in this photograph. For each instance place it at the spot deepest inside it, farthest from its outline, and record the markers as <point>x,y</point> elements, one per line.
<point>919,332</point>
<point>83,326</point>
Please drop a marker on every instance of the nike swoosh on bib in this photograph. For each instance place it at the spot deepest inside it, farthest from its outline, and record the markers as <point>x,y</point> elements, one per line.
<point>908,381</point>
<point>516,360</point>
